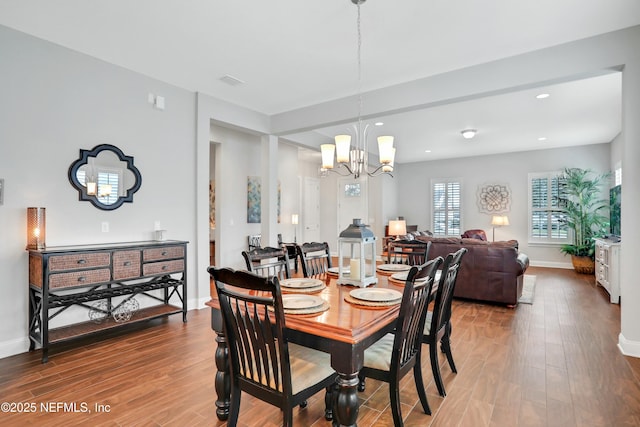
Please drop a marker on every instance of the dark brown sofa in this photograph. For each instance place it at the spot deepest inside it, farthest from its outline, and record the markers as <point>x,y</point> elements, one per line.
<point>490,271</point>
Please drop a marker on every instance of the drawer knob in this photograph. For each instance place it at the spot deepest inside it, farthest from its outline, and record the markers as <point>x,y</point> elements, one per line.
<point>82,261</point>
<point>82,279</point>
<point>164,267</point>
<point>127,263</point>
<point>164,253</point>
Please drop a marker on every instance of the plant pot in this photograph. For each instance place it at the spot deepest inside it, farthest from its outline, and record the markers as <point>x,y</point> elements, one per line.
<point>583,264</point>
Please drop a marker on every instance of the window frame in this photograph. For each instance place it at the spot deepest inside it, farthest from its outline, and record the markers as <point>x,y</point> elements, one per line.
<point>448,232</point>
<point>549,209</point>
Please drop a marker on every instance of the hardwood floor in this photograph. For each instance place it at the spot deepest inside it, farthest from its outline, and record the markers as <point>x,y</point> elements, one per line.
<point>552,363</point>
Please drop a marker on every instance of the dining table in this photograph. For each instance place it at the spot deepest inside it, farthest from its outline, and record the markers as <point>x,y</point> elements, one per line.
<point>344,328</point>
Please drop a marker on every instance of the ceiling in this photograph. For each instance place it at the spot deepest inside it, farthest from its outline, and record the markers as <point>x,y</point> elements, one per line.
<point>292,54</point>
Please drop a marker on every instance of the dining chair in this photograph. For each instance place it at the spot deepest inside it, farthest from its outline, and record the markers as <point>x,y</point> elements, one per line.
<point>262,361</point>
<point>254,241</point>
<point>437,328</point>
<point>315,258</point>
<point>291,251</point>
<point>411,252</point>
<point>394,355</point>
<point>268,262</point>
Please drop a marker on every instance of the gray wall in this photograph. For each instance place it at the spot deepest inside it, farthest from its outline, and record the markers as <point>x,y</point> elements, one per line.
<point>55,102</point>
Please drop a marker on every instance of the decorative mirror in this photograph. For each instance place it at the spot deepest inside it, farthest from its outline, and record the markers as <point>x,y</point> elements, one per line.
<point>105,176</point>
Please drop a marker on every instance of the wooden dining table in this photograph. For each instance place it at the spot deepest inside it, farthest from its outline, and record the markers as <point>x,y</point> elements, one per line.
<point>344,331</point>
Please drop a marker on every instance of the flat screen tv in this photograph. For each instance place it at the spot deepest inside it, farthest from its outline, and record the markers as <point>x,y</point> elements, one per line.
<point>614,211</point>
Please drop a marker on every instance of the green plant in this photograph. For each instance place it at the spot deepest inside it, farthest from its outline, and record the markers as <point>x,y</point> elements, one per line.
<point>580,197</point>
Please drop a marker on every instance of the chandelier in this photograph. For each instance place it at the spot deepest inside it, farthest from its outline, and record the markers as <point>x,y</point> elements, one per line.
<point>353,160</point>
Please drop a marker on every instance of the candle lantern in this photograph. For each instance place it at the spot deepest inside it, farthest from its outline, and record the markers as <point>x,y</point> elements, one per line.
<point>357,249</point>
<point>36,228</point>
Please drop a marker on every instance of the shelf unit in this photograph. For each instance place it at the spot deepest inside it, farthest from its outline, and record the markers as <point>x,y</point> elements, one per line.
<point>608,267</point>
<point>103,279</point>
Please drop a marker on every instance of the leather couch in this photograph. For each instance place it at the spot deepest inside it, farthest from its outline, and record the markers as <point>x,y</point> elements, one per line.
<point>490,271</point>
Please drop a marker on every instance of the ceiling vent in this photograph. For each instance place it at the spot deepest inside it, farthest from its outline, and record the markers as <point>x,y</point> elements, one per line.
<point>231,81</point>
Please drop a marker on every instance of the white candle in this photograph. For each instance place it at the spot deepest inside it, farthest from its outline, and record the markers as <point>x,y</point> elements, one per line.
<point>354,265</point>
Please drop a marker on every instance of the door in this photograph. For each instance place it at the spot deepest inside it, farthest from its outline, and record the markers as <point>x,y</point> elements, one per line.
<point>311,210</point>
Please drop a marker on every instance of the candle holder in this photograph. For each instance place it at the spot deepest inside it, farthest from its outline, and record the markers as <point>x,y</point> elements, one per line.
<point>359,243</point>
<point>36,228</point>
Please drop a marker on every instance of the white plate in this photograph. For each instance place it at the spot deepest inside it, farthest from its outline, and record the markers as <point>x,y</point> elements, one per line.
<point>300,283</point>
<point>301,302</point>
<point>394,267</point>
<point>334,270</point>
<point>403,276</point>
<point>376,294</point>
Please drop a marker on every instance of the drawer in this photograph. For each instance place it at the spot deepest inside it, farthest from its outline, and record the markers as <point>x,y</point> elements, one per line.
<point>155,268</point>
<point>80,260</point>
<point>126,265</point>
<point>79,278</point>
<point>168,252</point>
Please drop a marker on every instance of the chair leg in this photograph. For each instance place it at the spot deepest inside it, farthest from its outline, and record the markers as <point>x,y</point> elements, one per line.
<point>446,348</point>
<point>234,408</point>
<point>394,398</point>
<point>287,417</point>
<point>361,383</point>
<point>417,376</point>
<point>435,368</point>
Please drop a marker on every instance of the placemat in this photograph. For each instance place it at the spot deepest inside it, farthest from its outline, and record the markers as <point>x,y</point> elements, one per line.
<point>355,301</point>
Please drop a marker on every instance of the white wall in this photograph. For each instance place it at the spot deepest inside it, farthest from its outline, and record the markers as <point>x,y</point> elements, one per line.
<point>512,169</point>
<point>56,102</point>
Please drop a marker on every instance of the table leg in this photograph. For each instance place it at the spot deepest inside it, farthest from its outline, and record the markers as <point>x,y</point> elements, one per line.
<point>223,380</point>
<point>345,412</point>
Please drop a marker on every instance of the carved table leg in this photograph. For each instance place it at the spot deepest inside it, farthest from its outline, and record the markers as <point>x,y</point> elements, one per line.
<point>223,380</point>
<point>345,412</point>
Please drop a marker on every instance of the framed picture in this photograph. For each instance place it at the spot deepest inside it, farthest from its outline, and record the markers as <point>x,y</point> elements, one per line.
<point>494,198</point>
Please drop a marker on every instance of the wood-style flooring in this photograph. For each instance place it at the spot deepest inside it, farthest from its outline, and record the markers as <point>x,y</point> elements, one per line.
<point>552,363</point>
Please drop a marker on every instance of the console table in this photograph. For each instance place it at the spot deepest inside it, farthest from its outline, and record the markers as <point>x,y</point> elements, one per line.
<point>104,279</point>
<point>608,267</point>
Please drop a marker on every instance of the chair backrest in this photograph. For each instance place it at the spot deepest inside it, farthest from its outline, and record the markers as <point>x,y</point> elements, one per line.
<point>254,241</point>
<point>444,294</point>
<point>268,262</point>
<point>314,257</point>
<point>475,234</point>
<point>413,310</point>
<point>254,326</point>
<point>411,252</point>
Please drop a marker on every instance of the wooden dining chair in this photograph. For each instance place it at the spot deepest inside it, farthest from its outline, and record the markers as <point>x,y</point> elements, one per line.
<point>268,262</point>
<point>254,241</point>
<point>315,258</point>
<point>262,361</point>
<point>291,249</point>
<point>411,252</point>
<point>393,356</point>
<point>437,328</point>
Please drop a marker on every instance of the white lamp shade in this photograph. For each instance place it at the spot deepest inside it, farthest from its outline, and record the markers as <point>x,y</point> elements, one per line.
<point>343,145</point>
<point>294,219</point>
<point>389,167</point>
<point>327,151</point>
<point>92,188</point>
<point>397,227</point>
<point>385,148</point>
<point>500,220</point>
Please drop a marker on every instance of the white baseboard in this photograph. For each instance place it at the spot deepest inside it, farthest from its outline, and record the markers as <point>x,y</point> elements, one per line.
<point>13,347</point>
<point>547,264</point>
<point>200,303</point>
<point>627,347</point>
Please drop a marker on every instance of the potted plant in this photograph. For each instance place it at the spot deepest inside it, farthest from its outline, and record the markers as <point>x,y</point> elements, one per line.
<point>580,197</point>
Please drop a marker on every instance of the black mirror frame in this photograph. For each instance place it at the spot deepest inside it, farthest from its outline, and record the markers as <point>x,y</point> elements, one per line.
<point>82,190</point>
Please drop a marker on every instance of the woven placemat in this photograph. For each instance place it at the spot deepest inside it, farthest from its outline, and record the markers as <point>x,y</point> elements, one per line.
<point>312,290</point>
<point>356,301</point>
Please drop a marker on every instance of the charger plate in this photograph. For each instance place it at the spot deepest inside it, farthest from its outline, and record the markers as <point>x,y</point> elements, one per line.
<point>401,278</point>
<point>300,283</point>
<point>294,302</point>
<point>376,294</point>
<point>392,268</point>
<point>334,271</point>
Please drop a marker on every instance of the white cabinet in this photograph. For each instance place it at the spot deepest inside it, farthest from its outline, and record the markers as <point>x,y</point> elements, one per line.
<point>608,267</point>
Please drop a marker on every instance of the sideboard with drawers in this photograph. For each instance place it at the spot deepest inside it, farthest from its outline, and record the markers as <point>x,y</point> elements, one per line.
<point>106,281</point>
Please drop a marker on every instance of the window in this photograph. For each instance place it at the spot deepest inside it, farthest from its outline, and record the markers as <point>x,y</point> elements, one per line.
<point>546,217</point>
<point>447,207</point>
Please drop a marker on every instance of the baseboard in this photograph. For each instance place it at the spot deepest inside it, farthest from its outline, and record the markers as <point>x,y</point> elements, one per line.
<point>547,264</point>
<point>13,347</point>
<point>200,303</point>
<point>627,347</point>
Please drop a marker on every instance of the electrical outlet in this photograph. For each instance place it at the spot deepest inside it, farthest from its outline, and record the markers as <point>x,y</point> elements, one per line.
<point>105,227</point>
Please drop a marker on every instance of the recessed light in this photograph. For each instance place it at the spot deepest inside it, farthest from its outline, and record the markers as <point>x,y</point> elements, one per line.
<point>231,81</point>
<point>469,133</point>
<point>542,95</point>
<point>427,151</point>
<point>378,123</point>
<point>542,138</point>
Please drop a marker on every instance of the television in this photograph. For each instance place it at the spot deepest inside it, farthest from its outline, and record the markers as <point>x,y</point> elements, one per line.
<point>614,212</point>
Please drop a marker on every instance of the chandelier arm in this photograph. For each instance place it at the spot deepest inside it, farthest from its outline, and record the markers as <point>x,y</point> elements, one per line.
<point>378,171</point>
<point>350,172</point>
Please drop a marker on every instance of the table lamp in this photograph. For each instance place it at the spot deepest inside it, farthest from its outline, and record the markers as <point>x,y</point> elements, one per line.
<point>498,221</point>
<point>397,227</point>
